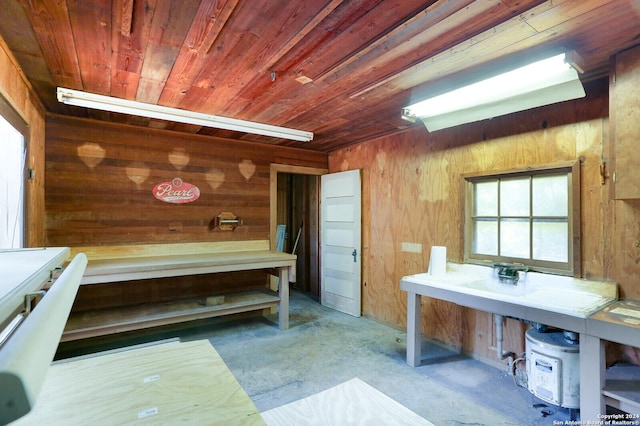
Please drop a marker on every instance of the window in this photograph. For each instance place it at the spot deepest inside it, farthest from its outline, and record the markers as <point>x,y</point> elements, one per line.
<point>13,154</point>
<point>525,216</point>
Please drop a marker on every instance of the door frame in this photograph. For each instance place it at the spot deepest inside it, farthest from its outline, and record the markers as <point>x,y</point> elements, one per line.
<point>274,169</point>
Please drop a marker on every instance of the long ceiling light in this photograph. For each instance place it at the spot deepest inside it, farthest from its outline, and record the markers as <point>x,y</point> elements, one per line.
<point>107,103</point>
<point>540,83</point>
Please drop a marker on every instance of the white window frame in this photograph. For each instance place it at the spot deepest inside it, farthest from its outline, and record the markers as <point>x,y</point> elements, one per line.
<point>573,265</point>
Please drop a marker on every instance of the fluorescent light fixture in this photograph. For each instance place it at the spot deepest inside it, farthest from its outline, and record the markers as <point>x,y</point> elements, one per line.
<point>540,83</point>
<point>107,103</point>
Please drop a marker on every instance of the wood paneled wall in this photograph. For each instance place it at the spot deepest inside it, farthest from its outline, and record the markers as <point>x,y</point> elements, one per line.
<point>15,88</point>
<point>412,192</point>
<point>99,186</point>
<point>100,179</point>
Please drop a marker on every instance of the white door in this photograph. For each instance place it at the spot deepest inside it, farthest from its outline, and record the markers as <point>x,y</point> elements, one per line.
<point>340,241</point>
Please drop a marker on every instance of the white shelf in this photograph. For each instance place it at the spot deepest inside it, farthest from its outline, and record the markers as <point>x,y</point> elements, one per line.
<point>622,388</point>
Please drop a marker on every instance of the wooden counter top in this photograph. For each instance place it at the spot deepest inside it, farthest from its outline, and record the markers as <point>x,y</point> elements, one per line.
<point>618,322</point>
<point>134,268</point>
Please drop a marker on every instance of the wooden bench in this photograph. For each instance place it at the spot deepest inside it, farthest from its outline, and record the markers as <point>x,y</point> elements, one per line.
<point>112,264</point>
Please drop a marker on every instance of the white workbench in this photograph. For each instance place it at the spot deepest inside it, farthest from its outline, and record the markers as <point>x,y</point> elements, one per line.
<point>26,271</point>
<point>31,331</point>
<point>469,286</point>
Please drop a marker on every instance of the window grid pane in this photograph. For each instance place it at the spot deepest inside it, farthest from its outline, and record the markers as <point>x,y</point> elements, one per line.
<point>486,196</point>
<point>485,237</point>
<point>514,197</point>
<point>524,218</point>
<point>550,195</point>
<point>515,238</point>
<point>550,240</point>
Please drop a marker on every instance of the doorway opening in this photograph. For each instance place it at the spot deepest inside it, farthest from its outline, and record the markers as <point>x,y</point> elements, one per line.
<point>295,203</point>
<point>13,155</point>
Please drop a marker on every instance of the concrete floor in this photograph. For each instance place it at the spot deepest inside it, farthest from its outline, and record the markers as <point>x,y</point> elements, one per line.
<point>324,348</point>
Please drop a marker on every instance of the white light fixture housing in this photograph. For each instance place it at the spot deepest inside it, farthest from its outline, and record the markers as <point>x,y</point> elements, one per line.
<point>107,103</point>
<point>540,83</point>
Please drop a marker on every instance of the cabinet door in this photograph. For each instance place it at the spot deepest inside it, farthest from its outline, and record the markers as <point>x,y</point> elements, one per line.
<point>624,116</point>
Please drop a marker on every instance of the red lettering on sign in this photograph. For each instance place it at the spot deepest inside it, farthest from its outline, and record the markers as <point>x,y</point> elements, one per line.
<point>176,191</point>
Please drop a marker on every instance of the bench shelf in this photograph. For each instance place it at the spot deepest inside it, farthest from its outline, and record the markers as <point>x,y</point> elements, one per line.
<point>622,388</point>
<point>106,321</point>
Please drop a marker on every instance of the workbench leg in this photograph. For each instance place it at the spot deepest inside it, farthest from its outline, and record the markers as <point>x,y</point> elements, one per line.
<point>414,349</point>
<point>283,313</point>
<point>592,378</point>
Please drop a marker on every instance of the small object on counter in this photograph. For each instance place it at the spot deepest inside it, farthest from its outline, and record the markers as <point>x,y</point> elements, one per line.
<point>438,261</point>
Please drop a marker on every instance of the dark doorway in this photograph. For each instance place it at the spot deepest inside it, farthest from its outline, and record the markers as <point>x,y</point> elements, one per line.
<point>298,210</point>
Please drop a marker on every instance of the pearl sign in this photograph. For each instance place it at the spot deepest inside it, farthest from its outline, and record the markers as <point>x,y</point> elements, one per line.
<point>176,191</point>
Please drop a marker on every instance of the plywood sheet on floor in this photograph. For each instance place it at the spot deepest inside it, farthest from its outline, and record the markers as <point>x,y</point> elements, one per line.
<point>350,403</point>
<point>170,383</point>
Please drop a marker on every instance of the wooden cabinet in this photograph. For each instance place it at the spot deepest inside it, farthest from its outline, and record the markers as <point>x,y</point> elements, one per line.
<point>624,116</point>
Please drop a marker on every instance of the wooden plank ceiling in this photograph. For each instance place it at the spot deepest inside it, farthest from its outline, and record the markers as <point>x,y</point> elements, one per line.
<point>341,69</point>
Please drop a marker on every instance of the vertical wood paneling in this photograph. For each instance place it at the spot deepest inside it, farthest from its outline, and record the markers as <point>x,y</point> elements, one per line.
<point>415,185</point>
<point>18,92</point>
<point>625,248</point>
<point>591,140</point>
<point>35,188</point>
<point>623,151</point>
